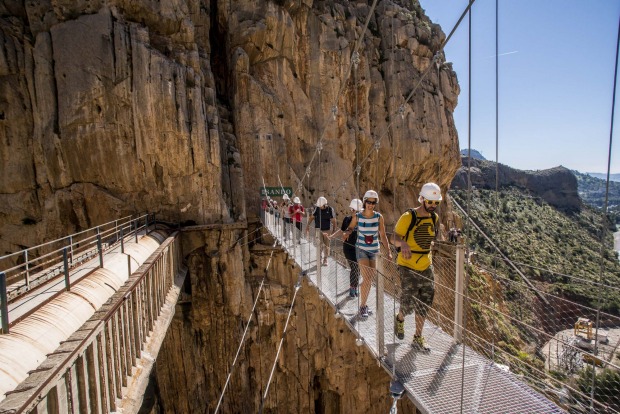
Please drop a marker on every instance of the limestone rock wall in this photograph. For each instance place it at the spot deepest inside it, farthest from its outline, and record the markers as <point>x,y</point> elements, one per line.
<point>106,110</point>
<point>289,67</point>
<point>184,108</point>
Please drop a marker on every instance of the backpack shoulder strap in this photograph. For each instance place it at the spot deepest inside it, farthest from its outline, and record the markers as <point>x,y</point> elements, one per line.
<point>414,218</point>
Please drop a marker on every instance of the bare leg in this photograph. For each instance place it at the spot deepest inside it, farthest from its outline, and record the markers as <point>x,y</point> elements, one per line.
<point>368,270</point>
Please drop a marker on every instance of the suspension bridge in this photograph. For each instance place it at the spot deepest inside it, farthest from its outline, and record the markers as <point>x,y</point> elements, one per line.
<point>83,318</point>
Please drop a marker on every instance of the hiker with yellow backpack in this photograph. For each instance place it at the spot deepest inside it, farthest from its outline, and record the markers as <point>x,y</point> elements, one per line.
<point>414,232</point>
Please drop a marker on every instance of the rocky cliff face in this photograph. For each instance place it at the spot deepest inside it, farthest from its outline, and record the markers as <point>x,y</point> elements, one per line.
<point>184,108</point>
<point>557,186</point>
<point>319,369</point>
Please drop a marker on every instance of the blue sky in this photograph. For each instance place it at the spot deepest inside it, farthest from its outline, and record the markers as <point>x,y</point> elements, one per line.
<point>556,70</point>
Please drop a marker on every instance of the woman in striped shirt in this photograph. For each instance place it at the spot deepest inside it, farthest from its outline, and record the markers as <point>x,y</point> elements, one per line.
<point>370,230</point>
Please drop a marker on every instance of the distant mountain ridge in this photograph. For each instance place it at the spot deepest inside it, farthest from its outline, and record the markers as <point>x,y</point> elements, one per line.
<point>603,176</point>
<point>565,189</point>
<point>592,191</point>
<point>474,154</point>
<point>557,186</point>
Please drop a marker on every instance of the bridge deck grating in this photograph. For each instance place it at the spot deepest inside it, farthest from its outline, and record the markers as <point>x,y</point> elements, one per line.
<point>435,380</point>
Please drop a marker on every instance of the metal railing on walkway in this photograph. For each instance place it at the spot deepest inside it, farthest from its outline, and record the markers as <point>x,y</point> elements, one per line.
<point>488,354</point>
<point>90,370</point>
<point>22,271</point>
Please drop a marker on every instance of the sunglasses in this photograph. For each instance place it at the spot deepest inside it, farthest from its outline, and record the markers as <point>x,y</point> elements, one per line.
<point>371,202</point>
<point>431,202</point>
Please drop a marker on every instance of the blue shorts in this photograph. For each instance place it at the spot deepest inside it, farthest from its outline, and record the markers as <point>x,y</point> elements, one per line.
<point>365,254</point>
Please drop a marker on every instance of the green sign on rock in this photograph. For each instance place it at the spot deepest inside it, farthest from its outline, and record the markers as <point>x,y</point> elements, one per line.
<point>276,191</point>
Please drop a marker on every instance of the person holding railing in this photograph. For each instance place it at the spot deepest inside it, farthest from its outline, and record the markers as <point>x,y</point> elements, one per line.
<point>297,212</point>
<point>324,219</point>
<point>414,232</point>
<point>286,203</point>
<point>348,247</point>
<point>370,230</point>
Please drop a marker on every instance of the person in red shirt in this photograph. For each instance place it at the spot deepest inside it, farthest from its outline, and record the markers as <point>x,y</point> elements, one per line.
<point>297,213</point>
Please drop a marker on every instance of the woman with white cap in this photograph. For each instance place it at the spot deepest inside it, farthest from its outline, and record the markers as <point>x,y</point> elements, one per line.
<point>348,247</point>
<point>370,231</point>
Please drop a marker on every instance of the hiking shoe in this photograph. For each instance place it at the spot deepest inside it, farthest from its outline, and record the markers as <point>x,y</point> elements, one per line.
<point>419,343</point>
<point>399,328</point>
<point>365,312</point>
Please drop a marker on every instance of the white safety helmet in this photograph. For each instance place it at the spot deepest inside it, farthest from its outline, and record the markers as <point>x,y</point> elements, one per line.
<point>356,204</point>
<point>431,191</point>
<point>296,200</point>
<point>322,201</point>
<point>371,194</point>
<point>285,197</point>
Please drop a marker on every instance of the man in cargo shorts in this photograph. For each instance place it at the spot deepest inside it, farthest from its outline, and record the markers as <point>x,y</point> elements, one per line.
<point>415,230</point>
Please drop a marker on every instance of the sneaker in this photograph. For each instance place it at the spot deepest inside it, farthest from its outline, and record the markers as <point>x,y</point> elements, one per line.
<point>352,292</point>
<point>365,312</point>
<point>419,343</point>
<point>399,328</point>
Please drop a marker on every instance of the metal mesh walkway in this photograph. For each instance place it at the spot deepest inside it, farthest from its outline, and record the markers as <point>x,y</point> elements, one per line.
<point>452,378</point>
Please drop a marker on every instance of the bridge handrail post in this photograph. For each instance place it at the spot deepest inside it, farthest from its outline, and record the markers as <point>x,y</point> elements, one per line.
<point>459,291</point>
<point>294,239</point>
<point>66,269</point>
<point>99,248</point>
<point>122,236</point>
<point>71,249</point>
<point>146,224</point>
<point>4,305</point>
<point>319,245</point>
<point>135,231</point>
<point>27,263</point>
<point>380,298</point>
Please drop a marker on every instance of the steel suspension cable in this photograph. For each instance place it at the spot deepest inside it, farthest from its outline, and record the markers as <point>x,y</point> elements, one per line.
<point>467,247</point>
<point>497,221</point>
<point>275,361</point>
<point>357,127</point>
<point>392,129</point>
<point>604,218</point>
<point>424,74</point>
<point>245,331</point>
<point>334,107</point>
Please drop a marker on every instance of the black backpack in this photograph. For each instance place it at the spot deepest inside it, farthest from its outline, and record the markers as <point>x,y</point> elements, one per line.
<point>414,221</point>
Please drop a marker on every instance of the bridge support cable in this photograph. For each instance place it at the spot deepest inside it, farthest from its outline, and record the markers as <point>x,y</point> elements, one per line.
<point>417,85</point>
<point>275,361</point>
<point>469,88</point>
<point>334,107</point>
<point>418,371</point>
<point>604,219</point>
<point>497,249</point>
<point>497,204</point>
<point>245,331</point>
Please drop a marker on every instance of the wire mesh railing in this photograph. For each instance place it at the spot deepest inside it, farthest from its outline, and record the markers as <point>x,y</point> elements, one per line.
<point>562,349</point>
